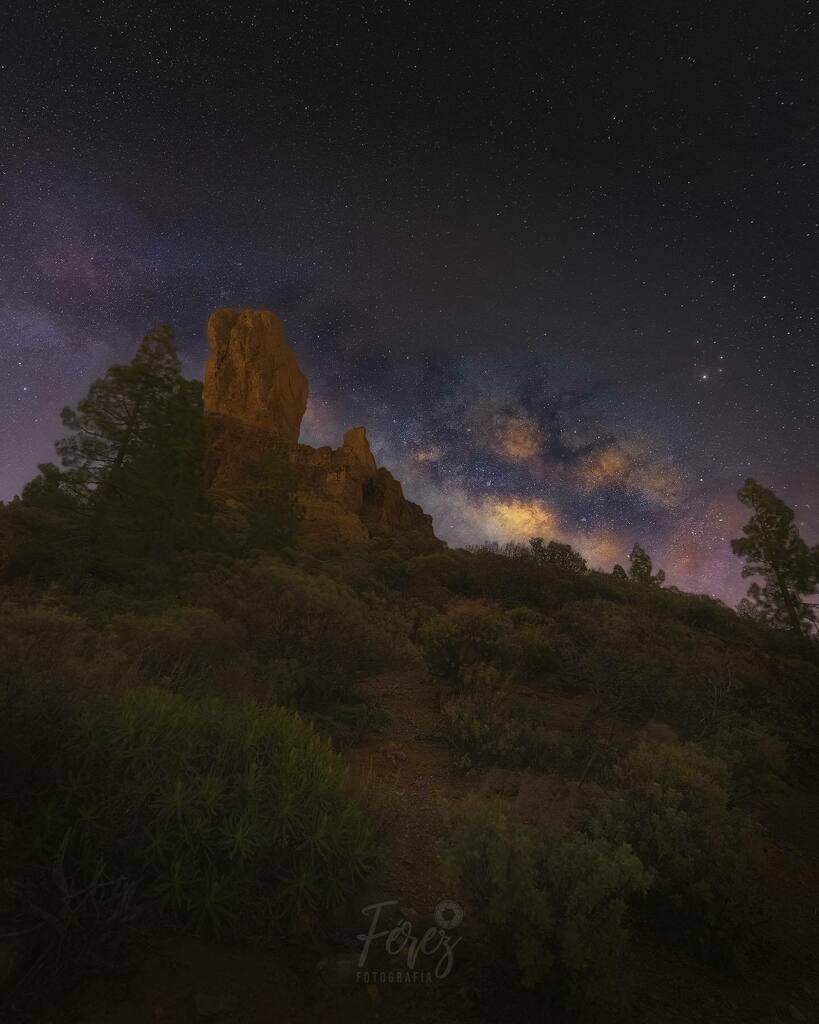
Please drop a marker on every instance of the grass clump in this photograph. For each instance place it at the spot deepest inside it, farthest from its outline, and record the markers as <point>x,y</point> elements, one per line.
<point>221,813</point>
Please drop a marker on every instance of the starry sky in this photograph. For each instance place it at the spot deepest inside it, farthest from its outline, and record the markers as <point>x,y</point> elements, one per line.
<point>559,258</point>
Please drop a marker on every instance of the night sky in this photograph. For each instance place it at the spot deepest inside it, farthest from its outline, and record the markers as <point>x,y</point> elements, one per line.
<point>560,259</point>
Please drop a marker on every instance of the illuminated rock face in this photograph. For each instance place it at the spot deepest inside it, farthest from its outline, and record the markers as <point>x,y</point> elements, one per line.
<point>252,374</point>
<point>345,496</point>
<point>255,396</point>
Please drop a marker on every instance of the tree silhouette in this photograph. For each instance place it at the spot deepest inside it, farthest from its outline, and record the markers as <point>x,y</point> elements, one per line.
<point>773,549</point>
<point>132,476</point>
<point>119,417</point>
<point>559,556</point>
<point>640,568</point>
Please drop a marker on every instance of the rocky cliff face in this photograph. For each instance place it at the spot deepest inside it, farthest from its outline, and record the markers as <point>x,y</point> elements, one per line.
<point>252,375</point>
<point>255,397</point>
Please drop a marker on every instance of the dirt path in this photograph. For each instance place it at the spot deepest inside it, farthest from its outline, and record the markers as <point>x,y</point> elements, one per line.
<point>410,762</point>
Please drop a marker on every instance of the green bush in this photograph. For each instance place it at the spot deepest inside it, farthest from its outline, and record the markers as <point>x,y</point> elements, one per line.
<point>645,666</point>
<point>460,637</point>
<point>757,758</point>
<point>489,727</point>
<point>520,641</point>
<point>331,636</point>
<point>535,646</point>
<point>672,802</point>
<point>40,640</point>
<point>219,811</point>
<point>179,643</point>
<point>552,907</point>
<point>261,629</point>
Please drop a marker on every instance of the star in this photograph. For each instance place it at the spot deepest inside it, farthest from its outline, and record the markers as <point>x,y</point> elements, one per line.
<point>482,261</point>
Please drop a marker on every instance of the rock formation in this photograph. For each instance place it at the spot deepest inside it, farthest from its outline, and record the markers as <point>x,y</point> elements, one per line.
<point>252,374</point>
<point>255,396</point>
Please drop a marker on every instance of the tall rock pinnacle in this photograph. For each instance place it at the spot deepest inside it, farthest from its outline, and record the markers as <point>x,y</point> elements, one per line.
<point>252,374</point>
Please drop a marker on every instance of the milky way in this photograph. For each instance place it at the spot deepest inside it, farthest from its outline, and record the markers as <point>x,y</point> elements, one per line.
<point>560,262</point>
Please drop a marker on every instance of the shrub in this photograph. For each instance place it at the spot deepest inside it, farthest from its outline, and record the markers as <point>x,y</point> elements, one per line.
<point>488,726</point>
<point>439,573</point>
<point>179,643</point>
<point>756,758</point>
<point>219,811</point>
<point>534,646</point>
<point>330,636</point>
<point>460,637</point>
<point>40,640</point>
<point>551,905</point>
<point>520,641</point>
<point>672,803</point>
<point>643,666</point>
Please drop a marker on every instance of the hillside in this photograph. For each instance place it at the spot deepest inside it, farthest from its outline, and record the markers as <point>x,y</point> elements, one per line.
<point>246,693</point>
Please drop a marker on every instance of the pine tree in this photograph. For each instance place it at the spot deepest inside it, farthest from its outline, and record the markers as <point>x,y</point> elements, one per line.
<point>111,424</point>
<point>132,477</point>
<point>773,549</point>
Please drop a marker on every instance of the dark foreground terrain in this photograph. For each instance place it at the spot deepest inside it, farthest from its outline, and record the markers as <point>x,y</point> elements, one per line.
<point>204,784</point>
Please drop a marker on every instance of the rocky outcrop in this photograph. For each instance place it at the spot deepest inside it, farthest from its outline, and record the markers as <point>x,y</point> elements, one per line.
<point>255,396</point>
<point>344,495</point>
<point>357,449</point>
<point>252,374</point>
